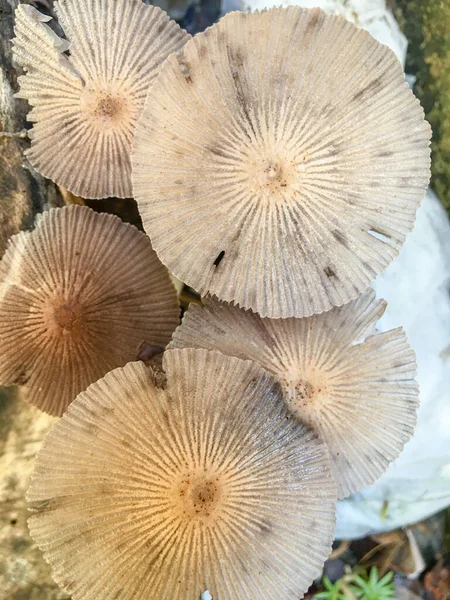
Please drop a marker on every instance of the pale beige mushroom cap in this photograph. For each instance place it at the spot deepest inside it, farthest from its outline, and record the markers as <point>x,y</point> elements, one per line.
<point>78,297</point>
<point>141,492</point>
<point>85,106</point>
<point>280,161</point>
<point>354,386</point>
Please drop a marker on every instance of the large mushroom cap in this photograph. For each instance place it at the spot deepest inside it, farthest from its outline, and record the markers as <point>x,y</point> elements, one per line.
<point>141,492</point>
<point>355,387</point>
<point>79,295</point>
<point>280,161</point>
<point>85,105</point>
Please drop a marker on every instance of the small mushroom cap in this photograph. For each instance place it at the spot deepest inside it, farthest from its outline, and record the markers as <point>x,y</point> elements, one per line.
<point>143,492</point>
<point>85,105</point>
<point>352,385</point>
<point>79,296</point>
<point>280,161</point>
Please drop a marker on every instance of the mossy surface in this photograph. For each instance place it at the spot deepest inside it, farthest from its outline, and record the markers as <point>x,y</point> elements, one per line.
<point>426,24</point>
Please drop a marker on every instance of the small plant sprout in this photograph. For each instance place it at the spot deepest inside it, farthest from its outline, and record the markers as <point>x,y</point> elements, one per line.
<point>357,585</point>
<point>280,160</point>
<point>205,483</point>
<point>339,590</point>
<point>86,103</point>
<point>355,387</point>
<point>372,588</point>
<point>78,297</point>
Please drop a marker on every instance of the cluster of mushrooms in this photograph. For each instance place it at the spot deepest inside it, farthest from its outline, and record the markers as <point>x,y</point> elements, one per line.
<point>278,160</point>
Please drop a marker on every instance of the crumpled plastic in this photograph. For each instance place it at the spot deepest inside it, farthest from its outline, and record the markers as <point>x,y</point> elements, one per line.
<point>417,288</point>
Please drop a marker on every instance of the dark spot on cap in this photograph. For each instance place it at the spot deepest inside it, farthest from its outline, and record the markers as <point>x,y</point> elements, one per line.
<point>219,258</point>
<point>90,428</point>
<point>161,27</point>
<point>380,232</point>
<point>340,237</point>
<point>313,20</point>
<point>265,527</point>
<point>243,566</point>
<point>217,151</point>
<point>385,154</point>
<point>329,272</point>
<point>221,37</point>
<point>368,268</point>
<point>238,58</point>
<point>237,233</point>
<point>405,182</point>
<point>399,364</point>
<point>372,88</point>
<point>184,66</point>
<point>23,378</point>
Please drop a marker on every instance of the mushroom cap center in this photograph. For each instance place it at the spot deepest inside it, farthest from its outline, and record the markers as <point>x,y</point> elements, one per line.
<point>65,316</point>
<point>267,177</point>
<point>304,391</point>
<point>107,108</point>
<point>200,495</point>
<point>305,394</point>
<point>271,172</point>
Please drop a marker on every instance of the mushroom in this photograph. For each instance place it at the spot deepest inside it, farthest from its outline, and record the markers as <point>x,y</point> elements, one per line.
<point>280,160</point>
<point>352,385</point>
<point>146,492</point>
<point>86,103</point>
<point>79,296</point>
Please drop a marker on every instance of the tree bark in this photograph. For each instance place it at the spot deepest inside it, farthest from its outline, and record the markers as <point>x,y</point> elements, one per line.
<point>23,192</point>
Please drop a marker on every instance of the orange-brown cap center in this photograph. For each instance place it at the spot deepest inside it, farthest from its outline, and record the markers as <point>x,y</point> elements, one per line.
<point>62,317</point>
<point>108,106</point>
<point>267,176</point>
<point>66,316</point>
<point>199,495</point>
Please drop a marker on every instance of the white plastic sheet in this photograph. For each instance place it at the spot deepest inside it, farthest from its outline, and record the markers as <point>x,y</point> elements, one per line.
<point>417,288</point>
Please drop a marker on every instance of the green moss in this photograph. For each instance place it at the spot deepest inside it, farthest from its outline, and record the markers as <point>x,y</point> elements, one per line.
<point>427,27</point>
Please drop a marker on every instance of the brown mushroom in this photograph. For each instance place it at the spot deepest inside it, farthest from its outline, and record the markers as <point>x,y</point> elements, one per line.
<point>86,104</point>
<point>143,492</point>
<point>352,385</point>
<point>280,161</point>
<point>78,297</point>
